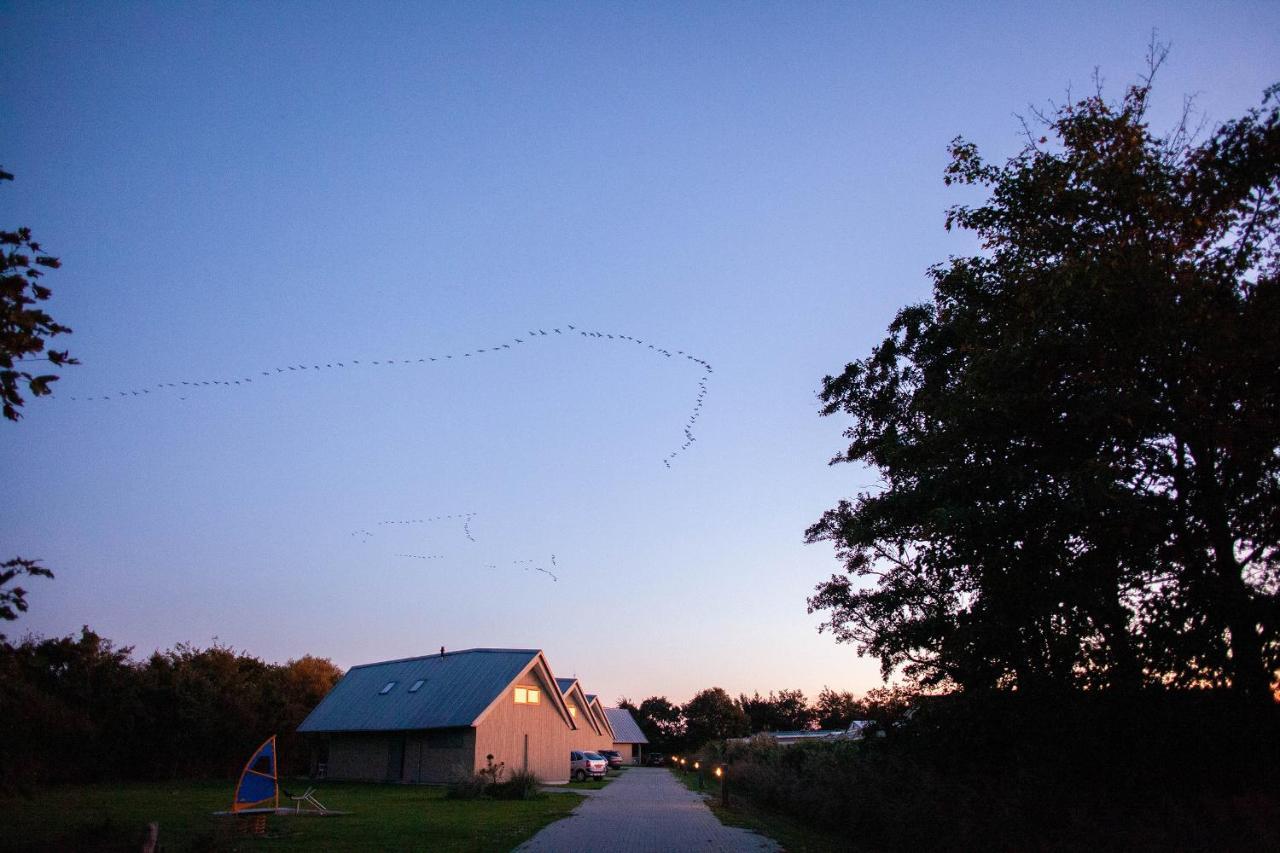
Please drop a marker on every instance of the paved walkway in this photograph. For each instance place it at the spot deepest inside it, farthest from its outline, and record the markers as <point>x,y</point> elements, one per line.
<point>645,810</point>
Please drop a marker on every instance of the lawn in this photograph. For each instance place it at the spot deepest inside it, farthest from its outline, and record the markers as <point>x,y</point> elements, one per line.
<point>793,835</point>
<point>383,817</point>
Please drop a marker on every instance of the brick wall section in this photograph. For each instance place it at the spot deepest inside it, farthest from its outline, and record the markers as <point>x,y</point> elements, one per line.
<point>503,733</point>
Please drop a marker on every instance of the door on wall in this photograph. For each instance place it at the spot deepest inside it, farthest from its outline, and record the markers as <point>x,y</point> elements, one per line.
<point>395,758</point>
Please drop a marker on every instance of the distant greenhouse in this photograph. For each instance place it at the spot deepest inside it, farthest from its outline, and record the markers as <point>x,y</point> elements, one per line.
<point>855,731</point>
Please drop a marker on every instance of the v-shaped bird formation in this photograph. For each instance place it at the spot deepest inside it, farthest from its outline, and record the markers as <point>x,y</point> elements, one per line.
<point>186,386</point>
<point>529,565</point>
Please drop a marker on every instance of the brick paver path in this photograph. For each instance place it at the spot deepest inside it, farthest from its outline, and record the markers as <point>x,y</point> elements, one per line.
<point>645,810</point>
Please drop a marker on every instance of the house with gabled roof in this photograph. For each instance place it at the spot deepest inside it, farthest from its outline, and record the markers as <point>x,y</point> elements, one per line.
<point>589,730</point>
<point>628,740</point>
<point>427,719</point>
<point>605,738</point>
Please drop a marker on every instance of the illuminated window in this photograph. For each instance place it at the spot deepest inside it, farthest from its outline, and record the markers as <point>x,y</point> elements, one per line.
<point>528,696</point>
<point>387,688</point>
<point>573,711</point>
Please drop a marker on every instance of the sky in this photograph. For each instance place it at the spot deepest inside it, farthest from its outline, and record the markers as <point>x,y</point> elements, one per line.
<point>262,191</point>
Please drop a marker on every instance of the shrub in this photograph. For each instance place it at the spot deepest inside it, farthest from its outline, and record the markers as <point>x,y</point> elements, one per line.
<point>1010,771</point>
<point>522,785</point>
<point>488,783</point>
<point>492,773</point>
<point>467,785</point>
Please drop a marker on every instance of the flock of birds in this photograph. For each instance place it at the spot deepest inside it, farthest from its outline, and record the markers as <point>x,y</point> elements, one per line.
<point>465,516</point>
<point>527,565</point>
<point>184,387</point>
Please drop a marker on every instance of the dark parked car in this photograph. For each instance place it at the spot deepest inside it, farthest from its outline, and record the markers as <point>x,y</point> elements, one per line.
<point>615,757</point>
<point>655,759</point>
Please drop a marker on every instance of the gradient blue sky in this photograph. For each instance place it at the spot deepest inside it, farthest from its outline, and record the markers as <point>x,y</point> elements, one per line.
<point>237,187</point>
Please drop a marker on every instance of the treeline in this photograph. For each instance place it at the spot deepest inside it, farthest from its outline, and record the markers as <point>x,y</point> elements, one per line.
<point>713,714</point>
<point>79,708</point>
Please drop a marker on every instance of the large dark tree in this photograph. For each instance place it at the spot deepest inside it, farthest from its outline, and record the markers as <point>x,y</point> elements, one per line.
<point>1078,438</point>
<point>713,715</point>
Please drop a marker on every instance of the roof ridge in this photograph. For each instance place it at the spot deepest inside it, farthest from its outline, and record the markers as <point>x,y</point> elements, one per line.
<point>449,654</point>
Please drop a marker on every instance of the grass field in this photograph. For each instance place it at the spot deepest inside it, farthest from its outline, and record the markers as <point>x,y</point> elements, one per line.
<point>383,817</point>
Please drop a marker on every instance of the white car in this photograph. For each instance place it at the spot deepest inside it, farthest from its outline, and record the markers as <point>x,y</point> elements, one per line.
<point>587,764</point>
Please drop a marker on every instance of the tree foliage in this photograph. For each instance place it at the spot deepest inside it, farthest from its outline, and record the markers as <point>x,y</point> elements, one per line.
<point>713,715</point>
<point>80,708</point>
<point>24,328</point>
<point>836,709</point>
<point>1079,436</point>
<point>786,710</point>
<point>13,600</point>
<point>661,721</point>
<point>24,325</point>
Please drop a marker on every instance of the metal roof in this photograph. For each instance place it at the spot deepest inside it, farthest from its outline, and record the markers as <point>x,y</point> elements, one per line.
<point>804,734</point>
<point>625,727</point>
<point>564,684</point>
<point>456,689</point>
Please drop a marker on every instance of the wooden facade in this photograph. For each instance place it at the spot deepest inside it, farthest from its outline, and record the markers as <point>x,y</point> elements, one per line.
<point>527,737</point>
<point>587,730</point>
<point>604,738</point>
<point>632,753</point>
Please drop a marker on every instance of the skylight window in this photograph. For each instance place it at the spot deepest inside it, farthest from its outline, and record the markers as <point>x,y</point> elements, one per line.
<point>417,684</point>
<point>387,688</point>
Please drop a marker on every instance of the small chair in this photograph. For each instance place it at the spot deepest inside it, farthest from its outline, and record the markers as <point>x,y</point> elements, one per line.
<point>306,798</point>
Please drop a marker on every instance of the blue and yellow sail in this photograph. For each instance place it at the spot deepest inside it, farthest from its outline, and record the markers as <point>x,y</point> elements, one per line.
<point>259,786</point>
